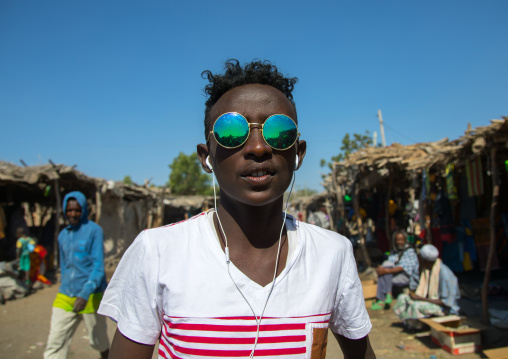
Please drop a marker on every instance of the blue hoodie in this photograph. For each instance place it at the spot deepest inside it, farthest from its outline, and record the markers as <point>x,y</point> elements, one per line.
<point>81,254</point>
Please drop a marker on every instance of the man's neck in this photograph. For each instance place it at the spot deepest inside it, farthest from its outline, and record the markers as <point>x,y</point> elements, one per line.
<point>253,235</point>
<point>257,227</point>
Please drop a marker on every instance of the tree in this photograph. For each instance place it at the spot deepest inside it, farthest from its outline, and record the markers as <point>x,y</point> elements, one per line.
<point>304,192</point>
<point>187,176</point>
<point>128,180</point>
<point>350,145</point>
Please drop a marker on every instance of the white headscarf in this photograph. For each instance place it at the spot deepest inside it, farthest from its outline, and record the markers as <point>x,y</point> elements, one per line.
<point>429,252</point>
<point>429,280</point>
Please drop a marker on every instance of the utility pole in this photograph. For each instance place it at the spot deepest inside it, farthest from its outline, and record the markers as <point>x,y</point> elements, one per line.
<point>380,116</point>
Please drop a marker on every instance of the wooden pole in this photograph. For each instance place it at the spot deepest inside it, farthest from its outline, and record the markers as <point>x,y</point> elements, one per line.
<point>98,206</point>
<point>387,211</point>
<point>381,127</point>
<point>161,208</point>
<point>492,247</point>
<point>339,197</point>
<point>58,211</point>
<point>331,221</point>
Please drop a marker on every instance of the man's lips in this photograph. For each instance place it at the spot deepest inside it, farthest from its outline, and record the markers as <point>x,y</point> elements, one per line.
<point>258,170</point>
<point>258,174</point>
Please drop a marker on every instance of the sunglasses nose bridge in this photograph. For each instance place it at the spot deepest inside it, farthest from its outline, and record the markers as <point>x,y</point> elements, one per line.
<point>256,143</point>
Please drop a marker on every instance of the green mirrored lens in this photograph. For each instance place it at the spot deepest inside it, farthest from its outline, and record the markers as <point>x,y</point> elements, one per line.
<point>231,130</point>
<point>280,132</point>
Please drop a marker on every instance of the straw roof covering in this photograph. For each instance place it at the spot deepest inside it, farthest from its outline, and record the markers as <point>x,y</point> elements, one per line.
<point>189,203</point>
<point>35,184</point>
<point>31,183</point>
<point>379,162</point>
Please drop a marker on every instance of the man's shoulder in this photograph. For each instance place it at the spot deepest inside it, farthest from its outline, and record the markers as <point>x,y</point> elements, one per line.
<point>410,252</point>
<point>93,225</point>
<point>446,272</point>
<point>182,227</point>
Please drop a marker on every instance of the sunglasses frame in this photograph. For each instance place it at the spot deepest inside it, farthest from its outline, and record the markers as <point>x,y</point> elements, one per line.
<point>261,129</point>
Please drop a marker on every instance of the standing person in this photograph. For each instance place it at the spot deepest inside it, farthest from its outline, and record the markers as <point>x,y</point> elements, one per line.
<point>400,269</point>
<point>24,246</point>
<point>83,281</point>
<point>244,279</point>
<point>320,218</point>
<point>437,293</point>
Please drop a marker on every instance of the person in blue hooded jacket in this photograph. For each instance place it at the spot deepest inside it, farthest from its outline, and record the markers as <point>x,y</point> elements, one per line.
<point>83,281</point>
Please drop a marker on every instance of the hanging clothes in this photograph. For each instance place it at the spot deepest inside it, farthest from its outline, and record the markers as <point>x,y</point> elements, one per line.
<point>3,223</point>
<point>442,217</point>
<point>467,208</point>
<point>474,176</point>
<point>425,185</point>
<point>451,189</point>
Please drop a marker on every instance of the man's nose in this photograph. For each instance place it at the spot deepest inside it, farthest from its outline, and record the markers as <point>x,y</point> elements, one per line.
<point>256,144</point>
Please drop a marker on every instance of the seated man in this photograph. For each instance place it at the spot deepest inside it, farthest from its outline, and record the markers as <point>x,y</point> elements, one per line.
<point>400,269</point>
<point>437,292</point>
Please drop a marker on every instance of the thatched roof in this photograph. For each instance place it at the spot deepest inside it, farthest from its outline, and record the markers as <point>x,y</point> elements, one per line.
<point>378,162</point>
<point>36,183</point>
<point>29,184</point>
<point>188,203</point>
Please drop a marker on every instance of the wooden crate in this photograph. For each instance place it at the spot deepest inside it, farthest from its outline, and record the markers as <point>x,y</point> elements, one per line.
<point>446,332</point>
<point>369,289</point>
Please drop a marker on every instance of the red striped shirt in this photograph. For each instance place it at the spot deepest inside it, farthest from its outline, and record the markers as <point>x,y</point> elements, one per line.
<point>235,336</point>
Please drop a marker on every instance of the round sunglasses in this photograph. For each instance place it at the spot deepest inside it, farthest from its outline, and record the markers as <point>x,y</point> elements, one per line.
<point>231,130</point>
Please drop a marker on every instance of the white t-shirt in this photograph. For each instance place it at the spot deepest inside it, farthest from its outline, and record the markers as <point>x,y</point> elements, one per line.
<point>173,283</point>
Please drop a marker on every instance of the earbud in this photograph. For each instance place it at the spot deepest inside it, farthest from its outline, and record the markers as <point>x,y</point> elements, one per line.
<point>297,160</point>
<point>208,164</point>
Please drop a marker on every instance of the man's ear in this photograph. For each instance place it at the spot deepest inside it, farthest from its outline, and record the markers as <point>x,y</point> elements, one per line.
<point>203,153</point>
<point>301,150</point>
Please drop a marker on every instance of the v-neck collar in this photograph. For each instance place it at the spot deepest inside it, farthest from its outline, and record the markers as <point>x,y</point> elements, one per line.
<point>241,279</point>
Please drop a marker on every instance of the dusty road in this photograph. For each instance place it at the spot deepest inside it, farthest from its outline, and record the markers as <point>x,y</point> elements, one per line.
<point>24,327</point>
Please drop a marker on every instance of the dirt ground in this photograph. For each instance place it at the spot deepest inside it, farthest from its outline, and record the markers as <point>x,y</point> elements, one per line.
<point>24,328</point>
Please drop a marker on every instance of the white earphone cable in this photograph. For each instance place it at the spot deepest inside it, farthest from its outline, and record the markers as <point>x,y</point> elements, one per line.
<point>226,251</point>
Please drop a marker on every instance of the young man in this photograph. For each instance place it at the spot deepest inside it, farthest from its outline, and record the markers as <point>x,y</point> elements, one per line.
<point>244,280</point>
<point>83,281</point>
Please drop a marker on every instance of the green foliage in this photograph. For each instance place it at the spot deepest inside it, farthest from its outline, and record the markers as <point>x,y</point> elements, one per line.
<point>350,145</point>
<point>303,192</point>
<point>187,176</point>
<point>128,180</point>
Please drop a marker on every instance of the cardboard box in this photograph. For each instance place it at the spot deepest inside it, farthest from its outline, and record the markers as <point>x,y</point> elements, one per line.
<point>499,353</point>
<point>369,289</point>
<point>453,335</point>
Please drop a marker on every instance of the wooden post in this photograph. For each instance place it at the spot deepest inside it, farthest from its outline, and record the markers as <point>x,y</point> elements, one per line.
<point>356,204</point>
<point>331,221</point>
<point>339,197</point>
<point>161,208</point>
<point>380,116</point>
<point>492,247</point>
<point>58,211</point>
<point>303,209</point>
<point>387,211</point>
<point>41,220</point>
<point>149,217</point>
<point>98,205</point>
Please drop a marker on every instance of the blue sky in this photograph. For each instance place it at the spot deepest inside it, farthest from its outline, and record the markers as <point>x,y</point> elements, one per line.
<point>115,87</point>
